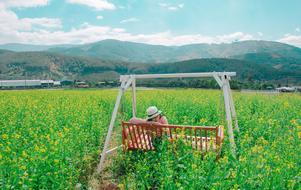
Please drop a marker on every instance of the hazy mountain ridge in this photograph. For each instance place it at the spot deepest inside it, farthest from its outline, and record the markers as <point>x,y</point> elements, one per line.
<point>145,53</point>
<point>253,60</point>
<point>32,48</point>
<point>45,65</point>
<point>31,65</point>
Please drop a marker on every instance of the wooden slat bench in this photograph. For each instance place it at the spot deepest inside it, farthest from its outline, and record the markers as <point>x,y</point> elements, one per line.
<point>140,136</point>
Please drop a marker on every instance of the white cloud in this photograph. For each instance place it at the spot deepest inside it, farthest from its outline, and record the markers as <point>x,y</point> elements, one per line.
<point>132,19</point>
<point>87,33</point>
<point>118,30</point>
<point>291,39</point>
<point>43,22</point>
<point>49,30</point>
<point>10,23</point>
<point>121,7</point>
<point>163,4</point>
<point>97,4</point>
<point>297,29</point>
<point>23,3</point>
<point>99,17</point>
<point>260,34</point>
<point>171,7</point>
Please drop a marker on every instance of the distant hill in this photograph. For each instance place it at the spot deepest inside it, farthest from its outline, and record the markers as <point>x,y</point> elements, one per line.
<point>47,65</point>
<point>285,65</point>
<point>253,60</point>
<point>28,47</point>
<point>246,70</point>
<point>144,53</point>
<point>124,51</point>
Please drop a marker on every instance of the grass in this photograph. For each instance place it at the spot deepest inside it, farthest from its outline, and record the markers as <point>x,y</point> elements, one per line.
<point>52,139</point>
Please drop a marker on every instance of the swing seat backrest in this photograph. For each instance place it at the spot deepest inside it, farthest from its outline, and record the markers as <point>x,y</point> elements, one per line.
<point>202,138</point>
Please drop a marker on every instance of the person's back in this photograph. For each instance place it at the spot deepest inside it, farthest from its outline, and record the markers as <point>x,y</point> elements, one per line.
<point>153,115</point>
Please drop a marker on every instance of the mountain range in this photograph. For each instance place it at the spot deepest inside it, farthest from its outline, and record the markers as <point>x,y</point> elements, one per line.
<point>252,60</point>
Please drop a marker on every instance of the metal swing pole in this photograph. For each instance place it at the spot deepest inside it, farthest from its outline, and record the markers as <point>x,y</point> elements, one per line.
<point>228,114</point>
<point>124,85</point>
<point>134,105</point>
<point>233,112</point>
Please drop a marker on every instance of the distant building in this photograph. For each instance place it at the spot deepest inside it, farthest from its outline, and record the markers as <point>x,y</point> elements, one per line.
<point>81,85</point>
<point>6,84</point>
<point>47,83</point>
<point>112,83</point>
<point>286,89</point>
<point>66,82</point>
<point>56,83</point>
<point>101,84</point>
<point>106,84</point>
<point>19,83</point>
<point>298,88</point>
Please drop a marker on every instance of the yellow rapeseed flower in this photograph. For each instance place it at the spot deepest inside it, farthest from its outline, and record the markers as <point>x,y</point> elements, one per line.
<point>293,122</point>
<point>66,129</point>
<point>36,148</point>
<point>203,120</point>
<point>59,134</point>
<point>42,150</point>
<point>25,174</point>
<point>7,149</point>
<point>286,104</point>
<point>242,159</point>
<point>17,136</point>
<point>4,136</point>
<point>24,154</point>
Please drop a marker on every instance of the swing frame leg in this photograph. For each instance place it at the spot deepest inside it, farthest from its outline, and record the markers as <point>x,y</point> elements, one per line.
<point>124,85</point>
<point>225,88</point>
<point>113,119</point>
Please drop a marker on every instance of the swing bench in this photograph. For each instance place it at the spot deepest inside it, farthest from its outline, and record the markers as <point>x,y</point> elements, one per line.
<point>202,138</point>
<point>140,136</point>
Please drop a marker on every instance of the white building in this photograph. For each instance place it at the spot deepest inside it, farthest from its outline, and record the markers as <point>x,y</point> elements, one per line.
<point>28,83</point>
<point>20,83</point>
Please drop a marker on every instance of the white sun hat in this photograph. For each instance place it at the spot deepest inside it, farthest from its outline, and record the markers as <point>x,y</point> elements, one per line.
<point>152,112</point>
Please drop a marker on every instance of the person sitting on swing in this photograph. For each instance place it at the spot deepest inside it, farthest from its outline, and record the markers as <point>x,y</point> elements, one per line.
<point>153,115</point>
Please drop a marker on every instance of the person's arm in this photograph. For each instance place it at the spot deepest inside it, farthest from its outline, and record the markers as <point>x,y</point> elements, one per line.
<point>163,120</point>
<point>136,120</point>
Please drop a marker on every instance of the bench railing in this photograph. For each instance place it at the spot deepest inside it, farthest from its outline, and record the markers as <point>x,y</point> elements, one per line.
<point>140,136</point>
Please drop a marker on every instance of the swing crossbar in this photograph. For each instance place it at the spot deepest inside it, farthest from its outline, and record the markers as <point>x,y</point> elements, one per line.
<point>142,136</point>
<point>177,75</point>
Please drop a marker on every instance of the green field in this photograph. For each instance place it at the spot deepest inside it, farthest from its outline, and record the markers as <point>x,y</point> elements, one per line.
<point>52,139</point>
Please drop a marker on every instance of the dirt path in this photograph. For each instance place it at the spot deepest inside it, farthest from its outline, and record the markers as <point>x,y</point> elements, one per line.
<point>106,179</point>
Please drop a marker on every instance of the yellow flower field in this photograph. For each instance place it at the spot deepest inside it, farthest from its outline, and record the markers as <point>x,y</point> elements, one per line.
<point>52,139</point>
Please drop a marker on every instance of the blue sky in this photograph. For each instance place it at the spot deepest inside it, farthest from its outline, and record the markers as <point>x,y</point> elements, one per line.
<point>174,22</point>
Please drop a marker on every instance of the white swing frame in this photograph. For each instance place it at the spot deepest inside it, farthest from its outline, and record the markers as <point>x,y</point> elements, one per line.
<point>222,78</point>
